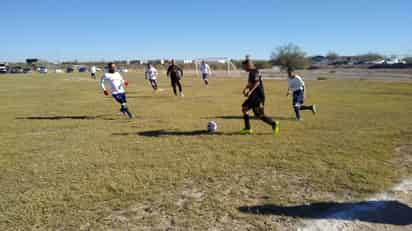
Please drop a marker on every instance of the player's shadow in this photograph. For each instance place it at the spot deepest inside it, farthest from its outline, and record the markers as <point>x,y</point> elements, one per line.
<point>379,212</point>
<point>148,96</point>
<point>236,117</point>
<point>67,117</point>
<point>159,133</point>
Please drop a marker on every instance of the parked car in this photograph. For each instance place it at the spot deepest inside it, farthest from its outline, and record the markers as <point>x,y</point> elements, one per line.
<point>27,70</point>
<point>83,69</point>
<point>43,70</point>
<point>3,68</point>
<point>69,70</point>
<point>16,70</point>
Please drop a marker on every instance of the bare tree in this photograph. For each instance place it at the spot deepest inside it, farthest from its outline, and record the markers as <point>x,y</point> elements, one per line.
<point>332,56</point>
<point>291,56</point>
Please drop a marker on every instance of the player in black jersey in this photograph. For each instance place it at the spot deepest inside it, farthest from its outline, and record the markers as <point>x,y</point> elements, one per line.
<point>255,98</point>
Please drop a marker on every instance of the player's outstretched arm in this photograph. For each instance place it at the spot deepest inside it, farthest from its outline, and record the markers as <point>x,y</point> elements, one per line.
<point>102,86</point>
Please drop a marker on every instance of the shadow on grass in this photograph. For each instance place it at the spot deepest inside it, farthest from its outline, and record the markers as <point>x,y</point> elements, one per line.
<point>380,212</point>
<point>159,133</point>
<point>64,117</point>
<point>154,96</point>
<point>230,117</point>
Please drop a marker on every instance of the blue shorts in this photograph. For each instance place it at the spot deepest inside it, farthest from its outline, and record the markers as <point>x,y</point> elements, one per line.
<point>298,97</point>
<point>121,97</point>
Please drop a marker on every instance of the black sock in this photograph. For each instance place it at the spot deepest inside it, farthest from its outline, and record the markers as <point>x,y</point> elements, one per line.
<point>180,86</point>
<point>303,107</point>
<point>267,120</point>
<point>297,112</point>
<point>247,121</point>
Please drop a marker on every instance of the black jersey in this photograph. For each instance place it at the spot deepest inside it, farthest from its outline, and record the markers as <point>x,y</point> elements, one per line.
<point>175,72</point>
<point>254,77</point>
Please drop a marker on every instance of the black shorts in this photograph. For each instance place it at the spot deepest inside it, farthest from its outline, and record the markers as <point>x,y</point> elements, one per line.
<point>254,101</point>
<point>93,74</point>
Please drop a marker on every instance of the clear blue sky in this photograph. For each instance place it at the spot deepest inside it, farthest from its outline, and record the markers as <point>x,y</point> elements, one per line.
<point>128,29</point>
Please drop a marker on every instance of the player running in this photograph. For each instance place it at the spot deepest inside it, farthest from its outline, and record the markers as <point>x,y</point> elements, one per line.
<point>151,75</point>
<point>296,86</point>
<point>93,72</point>
<point>256,99</point>
<point>175,73</point>
<point>116,85</point>
<point>205,71</point>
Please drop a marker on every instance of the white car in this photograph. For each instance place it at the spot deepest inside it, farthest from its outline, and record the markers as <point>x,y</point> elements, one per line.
<point>43,70</point>
<point>124,70</point>
<point>3,68</point>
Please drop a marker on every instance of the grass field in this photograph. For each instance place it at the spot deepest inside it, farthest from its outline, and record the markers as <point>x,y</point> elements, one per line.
<point>70,161</point>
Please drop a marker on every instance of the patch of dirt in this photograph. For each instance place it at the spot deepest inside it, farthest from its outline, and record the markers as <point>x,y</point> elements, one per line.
<point>222,204</point>
<point>393,215</point>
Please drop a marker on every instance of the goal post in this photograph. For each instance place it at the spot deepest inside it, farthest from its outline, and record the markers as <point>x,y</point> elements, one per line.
<point>221,65</point>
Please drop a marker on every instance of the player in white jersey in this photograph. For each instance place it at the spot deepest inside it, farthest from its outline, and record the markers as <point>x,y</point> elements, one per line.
<point>151,75</point>
<point>205,71</point>
<point>296,86</point>
<point>114,83</point>
<point>93,72</point>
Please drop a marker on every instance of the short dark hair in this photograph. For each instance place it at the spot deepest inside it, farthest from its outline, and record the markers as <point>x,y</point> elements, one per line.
<point>247,60</point>
<point>290,69</point>
<point>110,64</point>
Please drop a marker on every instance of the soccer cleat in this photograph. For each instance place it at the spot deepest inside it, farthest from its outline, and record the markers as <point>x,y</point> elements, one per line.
<point>275,128</point>
<point>245,131</point>
<point>314,111</point>
<point>181,94</point>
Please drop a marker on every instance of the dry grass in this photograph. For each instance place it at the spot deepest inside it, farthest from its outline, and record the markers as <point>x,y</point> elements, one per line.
<point>70,161</point>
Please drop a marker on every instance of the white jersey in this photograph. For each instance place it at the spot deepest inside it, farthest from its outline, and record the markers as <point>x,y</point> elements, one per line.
<point>113,81</point>
<point>296,83</point>
<point>93,70</point>
<point>204,68</point>
<point>151,73</point>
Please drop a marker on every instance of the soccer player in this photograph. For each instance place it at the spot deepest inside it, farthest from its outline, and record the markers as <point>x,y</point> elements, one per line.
<point>116,85</point>
<point>175,73</point>
<point>151,75</point>
<point>255,98</point>
<point>205,71</point>
<point>296,86</point>
<point>93,72</point>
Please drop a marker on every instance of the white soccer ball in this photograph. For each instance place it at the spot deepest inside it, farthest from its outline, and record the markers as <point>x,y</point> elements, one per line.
<point>211,126</point>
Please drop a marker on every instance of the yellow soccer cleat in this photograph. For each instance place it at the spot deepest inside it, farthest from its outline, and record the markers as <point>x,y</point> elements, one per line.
<point>275,128</point>
<point>245,131</point>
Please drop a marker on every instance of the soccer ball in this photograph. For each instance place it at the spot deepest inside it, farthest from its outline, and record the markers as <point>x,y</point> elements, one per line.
<point>211,126</point>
